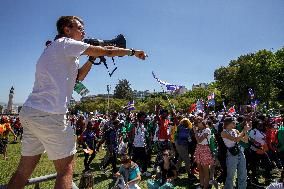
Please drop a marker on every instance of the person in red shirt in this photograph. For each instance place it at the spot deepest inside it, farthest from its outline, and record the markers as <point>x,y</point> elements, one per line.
<point>6,128</point>
<point>273,143</point>
<point>163,134</point>
<point>96,127</point>
<point>18,129</point>
<point>163,123</point>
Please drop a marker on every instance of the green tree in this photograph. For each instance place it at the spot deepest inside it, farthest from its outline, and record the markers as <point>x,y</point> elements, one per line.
<point>123,90</point>
<point>278,71</point>
<point>262,71</point>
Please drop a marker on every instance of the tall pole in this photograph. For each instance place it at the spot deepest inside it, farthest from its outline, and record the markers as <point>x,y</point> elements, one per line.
<point>108,89</point>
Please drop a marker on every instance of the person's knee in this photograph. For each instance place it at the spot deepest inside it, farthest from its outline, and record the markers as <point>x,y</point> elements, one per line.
<point>64,166</point>
<point>65,171</point>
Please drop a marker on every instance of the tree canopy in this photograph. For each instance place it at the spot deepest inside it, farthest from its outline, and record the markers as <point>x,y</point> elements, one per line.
<point>262,71</point>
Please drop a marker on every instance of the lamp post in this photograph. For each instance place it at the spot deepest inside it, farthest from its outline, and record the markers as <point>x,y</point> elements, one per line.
<point>108,89</point>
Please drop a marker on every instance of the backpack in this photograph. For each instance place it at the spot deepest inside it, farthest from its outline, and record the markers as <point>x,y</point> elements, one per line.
<point>183,135</point>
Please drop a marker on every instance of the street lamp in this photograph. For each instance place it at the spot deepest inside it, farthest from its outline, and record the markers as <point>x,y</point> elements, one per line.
<point>108,89</point>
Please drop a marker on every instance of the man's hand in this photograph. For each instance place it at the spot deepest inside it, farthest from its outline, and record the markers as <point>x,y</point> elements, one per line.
<point>140,54</point>
<point>247,127</point>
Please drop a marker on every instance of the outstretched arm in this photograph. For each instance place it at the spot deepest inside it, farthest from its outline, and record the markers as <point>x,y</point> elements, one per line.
<point>111,51</point>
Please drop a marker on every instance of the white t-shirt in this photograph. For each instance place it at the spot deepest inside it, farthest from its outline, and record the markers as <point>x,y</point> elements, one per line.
<point>207,131</point>
<point>230,143</point>
<point>139,138</point>
<point>55,77</point>
<point>258,136</point>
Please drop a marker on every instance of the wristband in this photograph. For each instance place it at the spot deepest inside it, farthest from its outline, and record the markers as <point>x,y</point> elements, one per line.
<point>131,52</point>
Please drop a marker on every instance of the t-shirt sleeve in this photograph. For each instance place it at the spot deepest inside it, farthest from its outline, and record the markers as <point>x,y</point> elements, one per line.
<point>251,133</point>
<point>137,170</point>
<point>73,48</point>
<point>208,131</point>
<point>121,170</point>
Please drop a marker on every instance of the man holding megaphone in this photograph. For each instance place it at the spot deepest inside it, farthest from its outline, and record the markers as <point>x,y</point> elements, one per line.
<point>43,115</point>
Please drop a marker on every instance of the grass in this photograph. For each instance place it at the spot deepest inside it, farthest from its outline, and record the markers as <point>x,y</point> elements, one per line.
<point>45,167</point>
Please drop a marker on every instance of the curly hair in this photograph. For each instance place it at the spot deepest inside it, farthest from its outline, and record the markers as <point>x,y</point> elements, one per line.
<point>66,21</point>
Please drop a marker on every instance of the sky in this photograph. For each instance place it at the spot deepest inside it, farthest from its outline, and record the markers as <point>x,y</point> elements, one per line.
<point>186,40</point>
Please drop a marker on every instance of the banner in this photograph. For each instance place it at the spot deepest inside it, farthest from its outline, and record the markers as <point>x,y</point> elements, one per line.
<point>170,87</point>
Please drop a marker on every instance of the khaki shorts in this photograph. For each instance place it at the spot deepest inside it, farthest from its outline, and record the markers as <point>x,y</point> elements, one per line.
<point>46,132</point>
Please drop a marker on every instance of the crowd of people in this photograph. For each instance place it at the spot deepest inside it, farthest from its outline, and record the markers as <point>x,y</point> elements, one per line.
<point>214,146</point>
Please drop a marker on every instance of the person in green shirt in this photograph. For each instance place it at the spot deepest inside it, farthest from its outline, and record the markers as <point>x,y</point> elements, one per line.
<point>240,126</point>
<point>128,128</point>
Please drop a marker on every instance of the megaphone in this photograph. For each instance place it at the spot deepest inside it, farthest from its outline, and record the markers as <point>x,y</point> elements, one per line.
<point>119,41</point>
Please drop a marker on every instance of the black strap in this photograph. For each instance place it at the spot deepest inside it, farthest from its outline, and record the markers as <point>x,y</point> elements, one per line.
<point>103,60</point>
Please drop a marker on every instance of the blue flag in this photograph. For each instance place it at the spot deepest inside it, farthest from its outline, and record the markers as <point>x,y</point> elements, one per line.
<point>211,102</point>
<point>251,94</point>
<point>170,87</point>
<point>130,105</point>
<point>200,106</point>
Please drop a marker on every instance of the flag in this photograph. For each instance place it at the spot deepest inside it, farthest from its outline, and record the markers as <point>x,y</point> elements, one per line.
<point>232,110</point>
<point>211,99</point>
<point>192,108</point>
<point>254,103</point>
<point>160,81</point>
<point>251,94</point>
<point>211,96</point>
<point>170,87</point>
<point>130,105</point>
<point>211,102</point>
<point>199,105</point>
<point>224,105</point>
